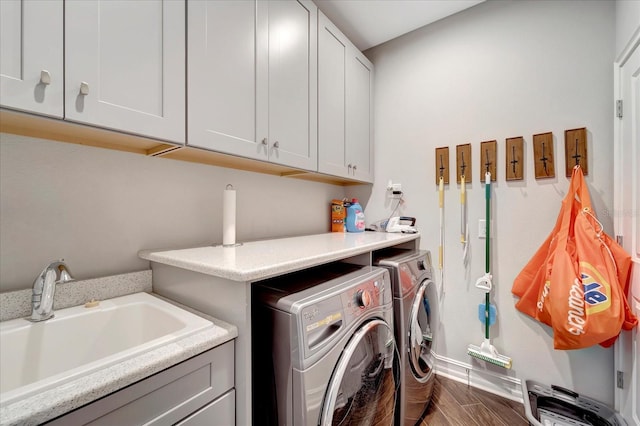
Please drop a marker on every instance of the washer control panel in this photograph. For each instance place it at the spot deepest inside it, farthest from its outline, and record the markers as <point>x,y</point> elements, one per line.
<point>328,317</point>
<point>367,295</point>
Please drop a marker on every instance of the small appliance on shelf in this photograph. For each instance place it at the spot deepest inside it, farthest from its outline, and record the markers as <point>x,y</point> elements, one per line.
<point>405,224</point>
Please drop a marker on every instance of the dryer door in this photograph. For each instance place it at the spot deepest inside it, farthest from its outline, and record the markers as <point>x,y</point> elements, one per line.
<point>364,384</point>
<point>420,333</point>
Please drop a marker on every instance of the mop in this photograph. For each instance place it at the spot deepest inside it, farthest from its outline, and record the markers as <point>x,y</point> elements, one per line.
<point>486,351</point>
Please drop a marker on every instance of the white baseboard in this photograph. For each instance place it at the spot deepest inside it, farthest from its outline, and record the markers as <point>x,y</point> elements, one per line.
<point>478,376</point>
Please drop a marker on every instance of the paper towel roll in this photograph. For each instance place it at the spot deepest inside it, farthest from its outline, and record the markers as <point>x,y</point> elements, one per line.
<point>229,216</point>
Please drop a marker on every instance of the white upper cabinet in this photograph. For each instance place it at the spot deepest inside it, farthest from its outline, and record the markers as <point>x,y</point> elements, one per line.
<point>270,80</point>
<point>332,56</point>
<point>124,66</point>
<point>359,126</point>
<point>221,82</point>
<point>345,79</point>
<point>31,69</point>
<point>292,83</point>
<point>252,79</point>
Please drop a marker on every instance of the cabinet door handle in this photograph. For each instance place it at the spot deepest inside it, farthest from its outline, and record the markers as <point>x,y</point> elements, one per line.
<point>354,168</point>
<point>45,77</point>
<point>264,141</point>
<point>84,88</point>
<point>349,168</point>
<point>276,144</point>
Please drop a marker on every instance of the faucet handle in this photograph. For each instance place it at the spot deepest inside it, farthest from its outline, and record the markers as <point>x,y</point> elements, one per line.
<point>63,271</point>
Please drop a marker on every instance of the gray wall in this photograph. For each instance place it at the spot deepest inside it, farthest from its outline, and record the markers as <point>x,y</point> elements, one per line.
<point>97,208</point>
<point>497,70</point>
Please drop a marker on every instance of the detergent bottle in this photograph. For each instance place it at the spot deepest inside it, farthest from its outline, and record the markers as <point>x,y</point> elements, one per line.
<point>355,217</point>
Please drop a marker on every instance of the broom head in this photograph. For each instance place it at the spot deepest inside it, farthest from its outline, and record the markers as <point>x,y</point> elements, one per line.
<point>487,352</point>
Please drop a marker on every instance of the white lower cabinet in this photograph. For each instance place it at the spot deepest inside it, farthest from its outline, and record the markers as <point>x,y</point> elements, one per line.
<point>252,79</point>
<point>197,391</point>
<point>220,412</point>
<point>345,80</point>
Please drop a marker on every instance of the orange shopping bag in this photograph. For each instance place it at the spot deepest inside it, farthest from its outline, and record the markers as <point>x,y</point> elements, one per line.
<point>578,280</point>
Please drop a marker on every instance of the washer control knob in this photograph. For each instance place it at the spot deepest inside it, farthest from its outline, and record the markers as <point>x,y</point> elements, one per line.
<point>421,265</point>
<point>363,298</point>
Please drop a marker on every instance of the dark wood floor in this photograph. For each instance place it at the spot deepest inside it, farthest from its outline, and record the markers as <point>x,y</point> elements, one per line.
<point>455,403</point>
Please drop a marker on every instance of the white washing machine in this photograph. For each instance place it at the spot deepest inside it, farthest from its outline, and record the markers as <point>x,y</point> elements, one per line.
<point>324,351</point>
<point>415,303</point>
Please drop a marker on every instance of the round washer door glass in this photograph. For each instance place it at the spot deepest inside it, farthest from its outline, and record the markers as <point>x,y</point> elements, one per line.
<point>420,333</point>
<point>364,384</point>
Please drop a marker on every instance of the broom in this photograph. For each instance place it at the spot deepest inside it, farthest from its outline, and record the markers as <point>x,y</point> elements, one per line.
<point>486,351</point>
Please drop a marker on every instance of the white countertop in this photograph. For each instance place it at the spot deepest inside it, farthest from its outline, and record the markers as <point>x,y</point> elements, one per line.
<point>257,260</point>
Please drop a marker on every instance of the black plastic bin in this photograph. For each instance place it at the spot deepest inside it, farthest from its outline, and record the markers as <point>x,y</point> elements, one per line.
<point>556,406</point>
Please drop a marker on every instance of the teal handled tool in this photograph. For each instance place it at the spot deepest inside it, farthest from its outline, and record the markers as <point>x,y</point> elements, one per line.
<point>486,351</point>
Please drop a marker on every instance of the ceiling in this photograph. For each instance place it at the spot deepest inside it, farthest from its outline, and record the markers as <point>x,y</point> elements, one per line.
<point>368,23</point>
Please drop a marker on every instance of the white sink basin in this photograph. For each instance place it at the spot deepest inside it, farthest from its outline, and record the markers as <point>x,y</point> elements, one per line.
<point>38,356</point>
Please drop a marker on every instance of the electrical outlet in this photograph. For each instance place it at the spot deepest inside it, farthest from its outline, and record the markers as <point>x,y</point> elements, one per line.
<point>395,189</point>
<point>482,228</point>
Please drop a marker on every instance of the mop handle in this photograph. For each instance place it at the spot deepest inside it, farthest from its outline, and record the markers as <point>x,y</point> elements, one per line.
<point>463,216</point>
<point>487,192</point>
<point>441,204</point>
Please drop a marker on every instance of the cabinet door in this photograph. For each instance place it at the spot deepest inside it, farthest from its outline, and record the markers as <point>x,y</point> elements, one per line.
<point>292,83</point>
<point>359,128</point>
<point>222,77</point>
<point>31,37</point>
<point>345,78</point>
<point>332,54</point>
<point>125,66</point>
<point>220,412</point>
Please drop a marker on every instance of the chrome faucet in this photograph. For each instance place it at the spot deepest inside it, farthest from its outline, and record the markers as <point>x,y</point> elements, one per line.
<point>44,287</point>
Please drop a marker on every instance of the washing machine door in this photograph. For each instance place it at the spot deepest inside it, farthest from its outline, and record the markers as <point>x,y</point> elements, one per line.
<point>420,333</point>
<point>364,384</point>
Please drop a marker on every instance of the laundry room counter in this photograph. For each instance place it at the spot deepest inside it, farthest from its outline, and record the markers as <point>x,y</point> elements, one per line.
<point>258,260</point>
<point>218,281</point>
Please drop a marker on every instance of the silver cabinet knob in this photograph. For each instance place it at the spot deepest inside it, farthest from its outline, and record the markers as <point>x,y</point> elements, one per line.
<point>276,144</point>
<point>264,141</point>
<point>45,77</point>
<point>349,166</point>
<point>354,168</point>
<point>84,88</point>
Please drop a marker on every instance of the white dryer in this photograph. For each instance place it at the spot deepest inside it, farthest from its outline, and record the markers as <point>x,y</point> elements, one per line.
<point>324,351</point>
<point>415,304</point>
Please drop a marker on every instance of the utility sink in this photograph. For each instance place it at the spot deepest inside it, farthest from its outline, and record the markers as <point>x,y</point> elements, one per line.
<point>35,357</point>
